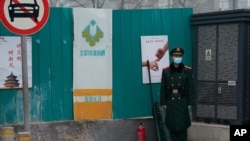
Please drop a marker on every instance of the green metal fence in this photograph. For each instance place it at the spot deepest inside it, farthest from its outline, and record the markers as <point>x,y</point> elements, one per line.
<point>52,58</point>
<point>51,97</point>
<point>130,97</point>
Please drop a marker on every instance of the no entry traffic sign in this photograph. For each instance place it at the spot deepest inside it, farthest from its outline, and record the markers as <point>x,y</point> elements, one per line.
<point>24,17</point>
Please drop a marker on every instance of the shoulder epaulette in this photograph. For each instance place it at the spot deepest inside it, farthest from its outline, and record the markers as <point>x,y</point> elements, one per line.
<point>187,67</point>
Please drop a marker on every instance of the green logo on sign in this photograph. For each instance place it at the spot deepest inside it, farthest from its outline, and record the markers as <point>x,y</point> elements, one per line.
<point>92,33</point>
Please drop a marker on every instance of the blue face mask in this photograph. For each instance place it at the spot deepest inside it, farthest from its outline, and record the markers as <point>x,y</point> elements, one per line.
<point>177,60</point>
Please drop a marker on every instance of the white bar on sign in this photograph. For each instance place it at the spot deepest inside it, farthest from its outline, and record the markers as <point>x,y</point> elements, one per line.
<point>91,98</point>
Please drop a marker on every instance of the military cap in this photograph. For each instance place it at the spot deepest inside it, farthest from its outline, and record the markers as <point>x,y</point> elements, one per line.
<point>177,50</point>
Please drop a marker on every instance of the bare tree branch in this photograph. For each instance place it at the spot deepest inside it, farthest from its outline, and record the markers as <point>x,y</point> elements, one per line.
<point>182,2</point>
<point>76,1</point>
<point>99,4</point>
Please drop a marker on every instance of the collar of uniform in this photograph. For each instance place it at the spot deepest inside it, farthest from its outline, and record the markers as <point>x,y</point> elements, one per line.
<point>174,69</point>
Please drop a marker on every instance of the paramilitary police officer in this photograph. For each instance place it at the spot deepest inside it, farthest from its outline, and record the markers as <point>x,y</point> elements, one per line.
<point>177,94</point>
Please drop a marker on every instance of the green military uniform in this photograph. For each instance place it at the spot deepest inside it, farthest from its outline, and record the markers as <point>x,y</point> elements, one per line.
<point>177,94</point>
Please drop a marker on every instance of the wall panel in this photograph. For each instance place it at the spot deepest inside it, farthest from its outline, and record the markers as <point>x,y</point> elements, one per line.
<point>51,93</point>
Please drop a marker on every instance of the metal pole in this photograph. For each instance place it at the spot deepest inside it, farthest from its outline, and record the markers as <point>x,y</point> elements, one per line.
<point>25,84</point>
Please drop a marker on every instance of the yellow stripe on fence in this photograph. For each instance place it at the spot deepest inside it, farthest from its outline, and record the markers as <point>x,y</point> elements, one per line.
<point>92,104</point>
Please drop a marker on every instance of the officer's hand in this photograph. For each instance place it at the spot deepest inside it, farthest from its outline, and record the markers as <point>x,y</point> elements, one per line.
<point>162,108</point>
<point>189,107</point>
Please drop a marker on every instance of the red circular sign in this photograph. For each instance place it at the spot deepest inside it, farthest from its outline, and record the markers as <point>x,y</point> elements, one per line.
<point>24,17</point>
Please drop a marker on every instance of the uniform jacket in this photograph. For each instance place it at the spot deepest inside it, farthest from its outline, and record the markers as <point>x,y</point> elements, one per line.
<point>176,93</point>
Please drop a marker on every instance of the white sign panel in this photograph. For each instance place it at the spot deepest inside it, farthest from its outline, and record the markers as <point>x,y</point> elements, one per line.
<point>11,62</point>
<point>92,48</point>
<point>150,45</point>
<point>92,82</point>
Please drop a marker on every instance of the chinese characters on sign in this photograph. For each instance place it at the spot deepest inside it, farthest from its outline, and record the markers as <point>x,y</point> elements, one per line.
<point>92,52</point>
<point>11,62</point>
<point>152,41</point>
<point>12,55</point>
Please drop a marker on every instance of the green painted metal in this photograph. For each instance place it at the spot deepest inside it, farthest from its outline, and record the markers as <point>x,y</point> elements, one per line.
<point>51,97</point>
<point>130,97</point>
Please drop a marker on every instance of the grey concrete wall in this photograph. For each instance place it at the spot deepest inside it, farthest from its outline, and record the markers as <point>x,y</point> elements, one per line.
<point>116,130</point>
<point>208,132</point>
<point>94,130</point>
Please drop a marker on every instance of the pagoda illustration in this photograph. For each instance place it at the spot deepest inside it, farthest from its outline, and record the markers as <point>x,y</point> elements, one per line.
<point>11,81</point>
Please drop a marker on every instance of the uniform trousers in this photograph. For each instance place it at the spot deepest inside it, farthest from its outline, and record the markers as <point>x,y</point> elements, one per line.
<point>178,136</point>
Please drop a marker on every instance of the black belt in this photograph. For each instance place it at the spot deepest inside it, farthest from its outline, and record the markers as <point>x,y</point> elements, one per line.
<point>175,95</point>
<point>176,92</point>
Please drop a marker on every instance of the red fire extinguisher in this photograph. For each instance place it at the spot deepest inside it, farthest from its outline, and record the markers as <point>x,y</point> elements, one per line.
<point>141,136</point>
